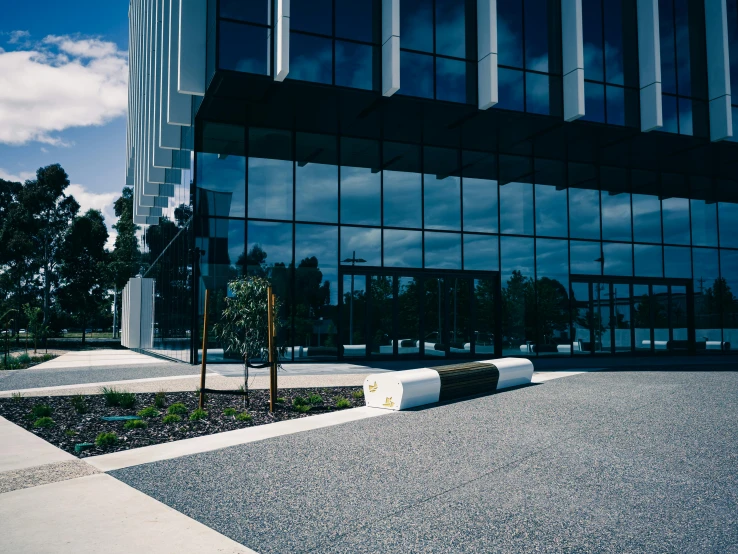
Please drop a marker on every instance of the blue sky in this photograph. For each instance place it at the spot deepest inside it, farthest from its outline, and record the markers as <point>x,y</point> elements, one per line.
<point>62,64</point>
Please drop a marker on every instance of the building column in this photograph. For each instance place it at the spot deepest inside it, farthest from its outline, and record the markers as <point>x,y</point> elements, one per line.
<point>572,50</point>
<point>718,70</point>
<point>179,110</point>
<point>390,47</point>
<point>487,53</point>
<point>193,18</point>
<point>649,60</point>
<point>282,40</point>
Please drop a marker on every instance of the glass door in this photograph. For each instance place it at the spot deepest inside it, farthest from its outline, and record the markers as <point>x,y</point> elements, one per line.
<point>622,329</point>
<point>353,323</point>
<point>678,326</point>
<point>435,343</point>
<point>485,338</point>
<point>407,338</point>
<point>602,321</point>
<point>459,317</point>
<point>581,318</point>
<point>381,315</point>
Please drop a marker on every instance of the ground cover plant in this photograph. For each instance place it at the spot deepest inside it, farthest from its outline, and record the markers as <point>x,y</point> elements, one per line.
<point>164,417</point>
<point>24,361</point>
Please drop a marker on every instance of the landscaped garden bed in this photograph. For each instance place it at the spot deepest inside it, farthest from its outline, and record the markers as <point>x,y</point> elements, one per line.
<point>69,421</point>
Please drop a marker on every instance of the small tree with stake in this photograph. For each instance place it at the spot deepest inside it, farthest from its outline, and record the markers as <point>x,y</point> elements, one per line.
<point>243,326</point>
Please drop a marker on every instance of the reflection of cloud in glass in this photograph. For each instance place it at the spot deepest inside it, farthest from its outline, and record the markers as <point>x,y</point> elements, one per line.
<point>360,196</point>
<point>552,259</point>
<point>516,255</point>
<point>311,58</point>
<point>516,208</point>
<point>480,205</point>
<point>223,175</point>
<point>416,25</point>
<point>450,80</point>
<point>728,224</point>
<point>618,259</point>
<point>450,29</point>
<point>583,256</point>
<point>648,262</point>
<point>270,188</point>
<point>551,218</point>
<point>510,33</point>
<point>316,192</point>
<point>481,252</point>
<point>274,238</point>
<point>537,93</point>
<point>675,220</point>
<point>443,250</point>
<point>646,218</point>
<point>442,203</point>
<point>704,223</point>
<point>402,199</point>
<point>584,211</point>
<point>403,248</point>
<point>705,268</point>
<point>367,243</point>
<point>616,216</point>
<point>354,65</point>
<point>416,74</point>
<point>320,241</point>
<point>677,262</point>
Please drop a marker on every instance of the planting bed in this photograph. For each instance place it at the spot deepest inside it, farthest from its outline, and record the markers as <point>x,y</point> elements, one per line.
<point>70,427</point>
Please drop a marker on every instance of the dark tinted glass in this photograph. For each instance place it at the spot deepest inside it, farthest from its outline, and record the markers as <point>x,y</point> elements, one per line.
<point>403,248</point>
<point>666,35</point>
<point>403,200</point>
<point>615,106</point>
<point>585,257</point>
<point>510,32</point>
<point>416,25</point>
<point>357,20</point>
<point>676,220</point>
<point>516,209</point>
<point>728,224</point>
<point>646,218</point>
<point>253,11</point>
<point>316,178</point>
<point>616,216</point>
<point>361,182</point>
<point>683,61</point>
<point>451,80</point>
<point>442,189</point>
<point>481,252</point>
<point>618,258</point>
<point>613,22</point>
<point>269,245</point>
<point>450,28</point>
<point>443,250</point>
<point>584,213</point>
<point>220,185</point>
<point>592,34</point>
<point>648,262</point>
<point>510,83</point>
<point>729,272</point>
<point>480,205</point>
<point>518,296</point>
<point>551,209</point>
<point>671,117</point>
<point>594,102</point>
<point>363,242</point>
<point>677,262</point>
<point>270,188</point>
<point>311,58</point>
<point>416,74</point>
<point>537,94</point>
<point>704,223</point>
<point>536,35</point>
<point>355,65</point>
<point>315,16</point>
<point>244,48</point>
<point>685,117</point>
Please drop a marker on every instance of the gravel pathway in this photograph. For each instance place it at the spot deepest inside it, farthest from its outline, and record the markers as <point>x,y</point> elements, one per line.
<point>43,475</point>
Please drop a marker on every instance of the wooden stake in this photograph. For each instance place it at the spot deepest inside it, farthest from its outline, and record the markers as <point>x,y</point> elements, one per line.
<point>270,349</point>
<point>275,357</point>
<point>204,351</point>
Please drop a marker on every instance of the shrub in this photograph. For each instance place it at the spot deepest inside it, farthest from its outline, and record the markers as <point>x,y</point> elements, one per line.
<point>244,416</point>
<point>17,396</point>
<point>159,399</point>
<point>40,410</point>
<point>149,411</point>
<point>315,399</point>
<point>43,422</point>
<point>135,424</point>
<point>358,394</point>
<point>342,403</point>
<point>230,412</point>
<point>302,408</point>
<point>299,401</point>
<point>70,432</point>
<point>79,404</point>
<point>177,409</point>
<point>23,359</point>
<point>111,395</point>
<point>172,418</point>
<point>127,400</point>
<point>106,439</point>
<point>280,400</point>
<point>198,414</point>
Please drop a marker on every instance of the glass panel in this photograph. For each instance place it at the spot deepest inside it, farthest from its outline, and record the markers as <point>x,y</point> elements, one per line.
<point>621,317</point>
<point>618,258</point>
<point>484,308</point>
<point>666,35</point>
<point>581,316</point>
<point>552,285</point>
<point>537,94</point>
<point>480,204</point>
<point>316,178</point>
<point>443,250</point>
<point>704,223</point>
<point>244,48</point>
<point>646,218</point>
<point>685,117</point>
<point>586,257</point>
<point>727,294</point>
<point>516,209</point>
<point>593,41</point>
<point>435,340</point>
<point>408,316</point>
<point>536,35</point>
<point>416,74</point>
<point>361,182</point>
<point>708,295</point>
<point>358,20</point>
<point>678,321</point>
<point>314,16</point>
<point>311,58</point>
<point>316,290</point>
<point>510,33</point>
<point>660,309</point>
<point>416,25</point>
<point>403,200</point>
<point>450,28</point>
<point>459,317</point>
<point>381,315</point>
<point>510,91</point>
<point>601,318</point>
<point>615,105</point>
<point>481,252</point>
<point>616,216</point>
<point>584,213</point>
<point>270,188</point>
<point>614,55</point>
<point>728,224</point>
<point>682,43</point>
<point>403,248</point>
<point>220,185</point>
<point>355,65</point>
<point>671,117</point>
<point>518,297</point>
<point>594,102</point>
<point>442,190</point>
<point>253,12</point>
<point>676,220</point>
<point>451,80</point>
<point>648,260</point>
<point>551,218</point>
<point>361,246</point>
<point>642,318</point>
<point>677,262</point>
<point>353,321</point>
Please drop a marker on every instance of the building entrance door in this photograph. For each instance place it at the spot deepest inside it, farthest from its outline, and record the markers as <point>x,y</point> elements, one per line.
<point>615,315</point>
<point>418,314</point>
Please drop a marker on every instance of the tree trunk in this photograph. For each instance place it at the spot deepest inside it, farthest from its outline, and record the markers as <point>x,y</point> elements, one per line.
<point>47,284</point>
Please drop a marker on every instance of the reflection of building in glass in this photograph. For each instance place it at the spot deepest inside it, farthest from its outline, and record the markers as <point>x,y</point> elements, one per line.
<point>543,188</point>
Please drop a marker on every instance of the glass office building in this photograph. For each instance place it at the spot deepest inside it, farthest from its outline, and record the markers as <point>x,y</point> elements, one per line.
<point>444,178</point>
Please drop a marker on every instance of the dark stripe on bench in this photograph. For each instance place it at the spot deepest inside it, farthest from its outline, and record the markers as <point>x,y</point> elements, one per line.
<point>460,380</point>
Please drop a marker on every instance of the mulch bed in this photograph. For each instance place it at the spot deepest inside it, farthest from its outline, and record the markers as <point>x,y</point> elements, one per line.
<point>87,426</point>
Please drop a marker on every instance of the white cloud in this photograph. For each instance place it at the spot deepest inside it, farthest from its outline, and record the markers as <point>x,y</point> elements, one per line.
<point>16,37</point>
<point>102,201</point>
<point>58,83</point>
<point>16,178</point>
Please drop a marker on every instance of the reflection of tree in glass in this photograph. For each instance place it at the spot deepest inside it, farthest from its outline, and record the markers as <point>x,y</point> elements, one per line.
<point>407,308</point>
<point>518,307</point>
<point>715,299</point>
<point>552,308</point>
<point>381,291</point>
<point>642,312</point>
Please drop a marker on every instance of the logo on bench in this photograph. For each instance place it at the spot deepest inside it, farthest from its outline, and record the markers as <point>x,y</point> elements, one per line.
<point>388,402</point>
<point>373,388</point>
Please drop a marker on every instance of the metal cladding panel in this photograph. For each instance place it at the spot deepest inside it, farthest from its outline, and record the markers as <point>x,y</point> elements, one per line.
<point>282,40</point>
<point>169,135</point>
<point>649,62</point>
<point>487,53</point>
<point>572,49</point>
<point>179,105</point>
<point>718,70</point>
<point>390,47</point>
<point>192,46</point>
